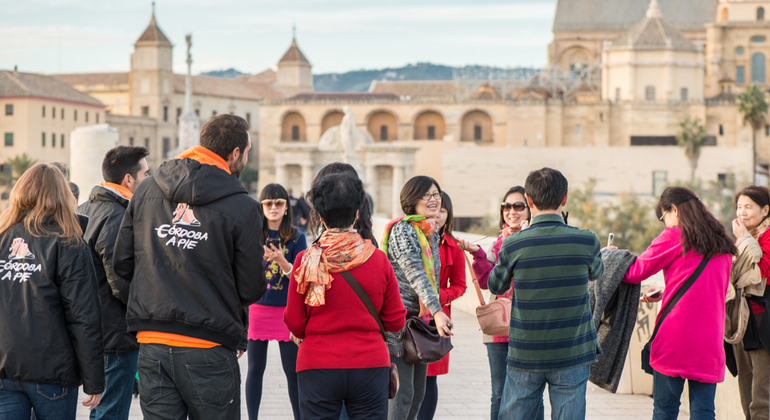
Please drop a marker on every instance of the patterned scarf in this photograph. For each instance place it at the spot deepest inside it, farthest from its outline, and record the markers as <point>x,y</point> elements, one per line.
<point>337,250</point>
<point>759,230</point>
<point>424,227</point>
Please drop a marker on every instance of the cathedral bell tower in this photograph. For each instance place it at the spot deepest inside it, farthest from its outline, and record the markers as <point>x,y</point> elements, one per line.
<point>152,78</point>
<point>294,75</point>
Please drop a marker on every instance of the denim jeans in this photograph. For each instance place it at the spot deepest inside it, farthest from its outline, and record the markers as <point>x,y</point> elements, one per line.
<point>175,381</point>
<point>498,363</point>
<point>411,390</point>
<point>523,395</point>
<point>119,376</point>
<point>51,402</point>
<point>667,392</point>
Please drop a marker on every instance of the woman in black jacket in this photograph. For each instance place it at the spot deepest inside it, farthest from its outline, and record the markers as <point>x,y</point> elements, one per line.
<point>50,316</point>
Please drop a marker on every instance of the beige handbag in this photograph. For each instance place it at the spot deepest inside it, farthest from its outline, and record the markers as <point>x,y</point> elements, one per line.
<point>494,316</point>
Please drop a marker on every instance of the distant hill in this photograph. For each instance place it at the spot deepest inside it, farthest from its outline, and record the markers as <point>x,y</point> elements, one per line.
<point>360,80</point>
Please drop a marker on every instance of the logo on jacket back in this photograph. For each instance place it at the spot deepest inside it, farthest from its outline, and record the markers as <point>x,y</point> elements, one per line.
<point>16,268</point>
<point>179,236</point>
<point>183,215</point>
<point>20,250</point>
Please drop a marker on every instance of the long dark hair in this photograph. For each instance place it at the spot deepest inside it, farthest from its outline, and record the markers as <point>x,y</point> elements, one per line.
<point>701,231</point>
<point>517,189</point>
<point>449,225</point>
<point>285,230</point>
<point>364,223</point>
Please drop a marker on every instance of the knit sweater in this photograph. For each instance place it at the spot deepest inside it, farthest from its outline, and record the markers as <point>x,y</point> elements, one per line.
<point>404,253</point>
<point>552,327</point>
<point>342,334</point>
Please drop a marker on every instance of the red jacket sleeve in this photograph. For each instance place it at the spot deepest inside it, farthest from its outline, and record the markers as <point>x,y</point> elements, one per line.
<point>392,313</point>
<point>457,284</point>
<point>764,263</point>
<point>295,315</point>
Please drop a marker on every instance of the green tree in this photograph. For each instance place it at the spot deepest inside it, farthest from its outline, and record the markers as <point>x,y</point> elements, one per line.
<point>691,137</point>
<point>17,165</point>
<point>753,106</point>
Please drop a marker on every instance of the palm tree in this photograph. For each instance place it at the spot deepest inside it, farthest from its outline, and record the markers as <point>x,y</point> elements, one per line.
<point>691,137</point>
<point>753,107</point>
<point>14,167</point>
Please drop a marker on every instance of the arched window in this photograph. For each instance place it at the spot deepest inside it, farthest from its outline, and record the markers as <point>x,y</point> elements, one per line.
<point>330,120</point>
<point>739,51</point>
<point>293,127</point>
<point>429,125</point>
<point>761,13</point>
<point>758,68</point>
<point>723,19</point>
<point>477,126</point>
<point>383,126</point>
<point>758,39</point>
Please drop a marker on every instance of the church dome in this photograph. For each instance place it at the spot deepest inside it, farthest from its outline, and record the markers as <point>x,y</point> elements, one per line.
<point>653,33</point>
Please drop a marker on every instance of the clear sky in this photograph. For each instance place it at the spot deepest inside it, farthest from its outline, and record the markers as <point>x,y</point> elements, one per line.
<point>73,36</point>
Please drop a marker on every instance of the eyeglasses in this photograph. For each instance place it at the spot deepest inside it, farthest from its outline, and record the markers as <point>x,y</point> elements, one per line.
<point>428,196</point>
<point>663,215</point>
<point>278,202</point>
<point>518,206</point>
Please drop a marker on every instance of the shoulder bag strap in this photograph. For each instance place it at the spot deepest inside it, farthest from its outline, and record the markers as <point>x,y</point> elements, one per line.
<point>356,286</point>
<point>679,293</point>
<point>475,280</point>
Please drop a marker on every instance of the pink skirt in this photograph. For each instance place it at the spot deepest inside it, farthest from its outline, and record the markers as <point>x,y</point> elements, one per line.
<point>266,323</point>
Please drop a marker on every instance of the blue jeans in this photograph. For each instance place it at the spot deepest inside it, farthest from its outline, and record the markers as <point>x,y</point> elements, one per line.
<point>498,356</point>
<point>667,392</point>
<point>51,402</point>
<point>523,395</point>
<point>119,376</point>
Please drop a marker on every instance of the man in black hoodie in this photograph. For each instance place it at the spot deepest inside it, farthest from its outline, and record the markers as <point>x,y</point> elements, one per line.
<point>123,169</point>
<point>191,245</point>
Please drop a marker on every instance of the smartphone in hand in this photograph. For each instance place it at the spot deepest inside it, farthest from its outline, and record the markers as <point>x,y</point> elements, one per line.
<point>654,294</point>
<point>610,239</point>
<point>276,242</point>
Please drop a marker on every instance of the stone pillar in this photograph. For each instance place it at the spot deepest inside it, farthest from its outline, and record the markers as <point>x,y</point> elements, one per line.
<point>371,177</point>
<point>88,145</point>
<point>280,175</point>
<point>398,183</point>
<point>307,178</point>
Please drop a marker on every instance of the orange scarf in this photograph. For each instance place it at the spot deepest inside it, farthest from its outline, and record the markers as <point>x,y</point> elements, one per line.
<point>206,157</point>
<point>337,250</point>
<point>123,191</point>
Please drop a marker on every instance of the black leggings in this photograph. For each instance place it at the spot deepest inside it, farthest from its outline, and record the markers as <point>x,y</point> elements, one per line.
<point>429,402</point>
<point>257,352</point>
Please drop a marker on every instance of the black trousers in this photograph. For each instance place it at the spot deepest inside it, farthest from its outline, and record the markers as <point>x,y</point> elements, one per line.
<point>364,391</point>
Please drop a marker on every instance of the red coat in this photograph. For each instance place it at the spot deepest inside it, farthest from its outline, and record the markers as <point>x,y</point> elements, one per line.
<point>452,286</point>
<point>342,334</point>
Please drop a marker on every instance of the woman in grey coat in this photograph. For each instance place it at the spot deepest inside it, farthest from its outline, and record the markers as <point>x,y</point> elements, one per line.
<point>411,244</point>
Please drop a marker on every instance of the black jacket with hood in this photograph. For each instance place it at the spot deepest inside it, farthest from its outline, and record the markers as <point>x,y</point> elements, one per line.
<point>105,209</point>
<point>190,244</point>
<point>50,315</point>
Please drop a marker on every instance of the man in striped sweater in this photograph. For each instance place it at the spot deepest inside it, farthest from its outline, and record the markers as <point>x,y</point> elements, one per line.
<point>552,334</point>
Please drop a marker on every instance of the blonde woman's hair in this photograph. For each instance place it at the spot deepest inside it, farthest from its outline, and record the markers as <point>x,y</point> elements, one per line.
<point>42,200</point>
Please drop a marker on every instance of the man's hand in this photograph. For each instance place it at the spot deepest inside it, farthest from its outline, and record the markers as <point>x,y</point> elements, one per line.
<point>92,401</point>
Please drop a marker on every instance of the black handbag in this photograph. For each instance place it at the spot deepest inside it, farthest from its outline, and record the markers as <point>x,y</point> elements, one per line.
<point>356,286</point>
<point>679,293</point>
<point>422,342</point>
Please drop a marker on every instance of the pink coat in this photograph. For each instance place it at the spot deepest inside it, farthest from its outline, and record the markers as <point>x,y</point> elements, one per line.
<point>689,342</point>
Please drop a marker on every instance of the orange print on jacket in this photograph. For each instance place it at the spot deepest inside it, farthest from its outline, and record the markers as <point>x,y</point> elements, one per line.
<point>183,215</point>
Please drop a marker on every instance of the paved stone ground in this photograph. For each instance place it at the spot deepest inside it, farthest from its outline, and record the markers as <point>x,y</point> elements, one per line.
<point>463,393</point>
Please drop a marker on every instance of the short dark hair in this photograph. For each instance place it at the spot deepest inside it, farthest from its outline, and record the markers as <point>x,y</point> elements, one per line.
<point>517,189</point>
<point>223,133</point>
<point>122,160</point>
<point>547,188</point>
<point>413,191</point>
<point>336,198</point>
<point>62,168</point>
<point>75,190</point>
<point>701,231</point>
<point>449,225</point>
<point>756,193</point>
<point>286,229</point>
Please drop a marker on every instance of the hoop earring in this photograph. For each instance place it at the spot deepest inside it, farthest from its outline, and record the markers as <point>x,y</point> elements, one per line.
<point>286,212</point>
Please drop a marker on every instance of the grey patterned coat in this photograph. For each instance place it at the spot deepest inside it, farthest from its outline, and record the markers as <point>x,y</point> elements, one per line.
<point>405,255</point>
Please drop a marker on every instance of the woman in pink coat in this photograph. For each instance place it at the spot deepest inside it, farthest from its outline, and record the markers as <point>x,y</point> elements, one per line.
<point>688,345</point>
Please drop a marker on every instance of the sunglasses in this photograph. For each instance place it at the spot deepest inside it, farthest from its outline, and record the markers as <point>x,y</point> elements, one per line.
<point>279,202</point>
<point>518,206</point>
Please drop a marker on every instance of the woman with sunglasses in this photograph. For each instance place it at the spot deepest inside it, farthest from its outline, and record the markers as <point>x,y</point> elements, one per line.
<point>282,244</point>
<point>452,286</point>
<point>412,246</point>
<point>689,342</point>
<point>514,216</point>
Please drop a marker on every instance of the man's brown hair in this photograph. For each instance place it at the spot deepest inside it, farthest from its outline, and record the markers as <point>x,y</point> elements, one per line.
<point>223,133</point>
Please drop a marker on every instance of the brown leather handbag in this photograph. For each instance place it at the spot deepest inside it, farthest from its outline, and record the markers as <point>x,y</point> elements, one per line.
<point>494,317</point>
<point>422,343</point>
<point>356,286</point>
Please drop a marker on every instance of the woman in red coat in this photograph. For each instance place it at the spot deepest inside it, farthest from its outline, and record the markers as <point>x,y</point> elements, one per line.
<point>452,286</point>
